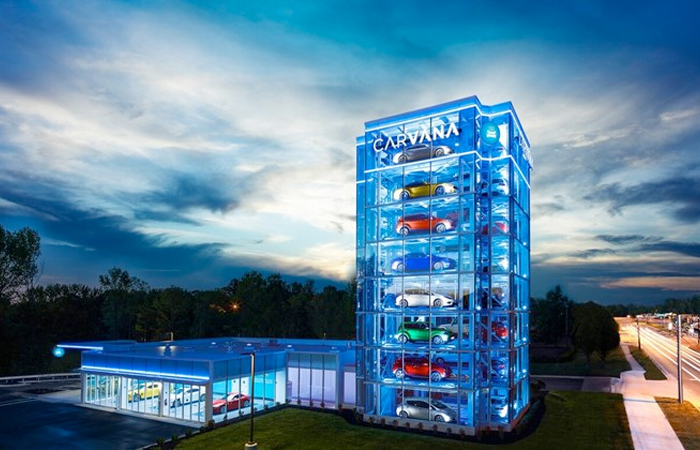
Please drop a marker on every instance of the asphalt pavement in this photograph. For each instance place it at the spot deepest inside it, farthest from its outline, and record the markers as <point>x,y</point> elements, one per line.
<point>45,416</point>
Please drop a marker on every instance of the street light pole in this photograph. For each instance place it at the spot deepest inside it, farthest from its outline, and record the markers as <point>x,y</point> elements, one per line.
<point>680,371</point>
<point>252,445</point>
<point>639,336</point>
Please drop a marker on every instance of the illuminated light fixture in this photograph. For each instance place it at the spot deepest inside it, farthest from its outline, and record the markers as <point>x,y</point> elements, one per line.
<point>143,372</point>
<point>80,347</point>
<point>58,352</point>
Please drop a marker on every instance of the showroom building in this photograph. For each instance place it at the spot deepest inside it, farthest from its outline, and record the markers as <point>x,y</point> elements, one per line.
<point>443,267</point>
<point>204,379</point>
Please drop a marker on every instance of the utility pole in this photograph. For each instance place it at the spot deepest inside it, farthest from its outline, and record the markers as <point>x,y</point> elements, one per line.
<point>680,371</point>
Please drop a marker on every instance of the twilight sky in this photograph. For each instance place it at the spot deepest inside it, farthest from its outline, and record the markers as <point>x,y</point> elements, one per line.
<point>188,143</point>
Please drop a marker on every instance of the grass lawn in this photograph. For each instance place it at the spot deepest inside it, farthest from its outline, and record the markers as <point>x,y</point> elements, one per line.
<point>684,418</point>
<point>614,364</point>
<point>652,372</point>
<point>575,420</point>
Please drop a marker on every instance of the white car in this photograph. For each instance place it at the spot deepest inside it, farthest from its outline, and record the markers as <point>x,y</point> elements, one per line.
<point>499,408</point>
<point>425,409</point>
<point>189,394</point>
<point>498,187</point>
<point>453,326</point>
<point>422,297</point>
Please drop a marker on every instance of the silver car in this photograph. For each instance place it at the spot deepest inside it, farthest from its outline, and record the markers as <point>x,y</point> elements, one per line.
<point>425,409</point>
<point>422,297</point>
<point>421,151</point>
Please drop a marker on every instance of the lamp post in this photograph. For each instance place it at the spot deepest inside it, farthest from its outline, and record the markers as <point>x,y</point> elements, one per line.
<point>566,323</point>
<point>251,444</point>
<point>639,336</point>
<point>680,372</point>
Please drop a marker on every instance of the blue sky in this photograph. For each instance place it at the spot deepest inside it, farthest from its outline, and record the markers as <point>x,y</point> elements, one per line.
<point>189,143</point>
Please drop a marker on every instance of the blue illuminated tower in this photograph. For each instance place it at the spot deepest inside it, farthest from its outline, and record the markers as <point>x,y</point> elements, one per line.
<point>443,267</point>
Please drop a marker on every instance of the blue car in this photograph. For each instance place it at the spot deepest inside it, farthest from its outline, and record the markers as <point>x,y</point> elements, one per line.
<point>421,262</point>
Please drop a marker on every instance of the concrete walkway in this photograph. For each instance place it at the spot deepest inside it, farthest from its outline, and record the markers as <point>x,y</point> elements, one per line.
<point>648,424</point>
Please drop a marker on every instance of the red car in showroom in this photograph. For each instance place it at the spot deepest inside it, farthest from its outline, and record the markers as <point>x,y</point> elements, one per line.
<point>420,367</point>
<point>422,222</point>
<point>231,402</point>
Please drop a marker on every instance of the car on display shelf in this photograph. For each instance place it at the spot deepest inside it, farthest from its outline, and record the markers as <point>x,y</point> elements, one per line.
<point>423,189</point>
<point>453,326</point>
<point>183,395</point>
<point>498,369</point>
<point>422,332</point>
<point>421,151</point>
<point>420,367</point>
<point>497,227</point>
<point>498,186</point>
<point>425,409</point>
<point>498,329</point>
<point>422,222</point>
<point>454,216</point>
<point>499,408</point>
<point>422,297</point>
<point>144,390</point>
<point>233,401</point>
<point>418,261</point>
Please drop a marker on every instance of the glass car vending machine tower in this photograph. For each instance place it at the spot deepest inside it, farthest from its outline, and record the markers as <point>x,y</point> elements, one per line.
<point>443,268</point>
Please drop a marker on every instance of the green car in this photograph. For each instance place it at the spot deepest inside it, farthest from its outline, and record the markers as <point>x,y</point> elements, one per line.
<point>421,332</point>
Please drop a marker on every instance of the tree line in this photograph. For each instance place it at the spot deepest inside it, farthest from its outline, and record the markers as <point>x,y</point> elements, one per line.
<point>588,327</point>
<point>33,319</point>
<point>676,305</point>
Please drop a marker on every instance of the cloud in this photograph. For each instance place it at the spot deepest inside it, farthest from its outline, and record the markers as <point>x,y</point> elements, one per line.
<point>206,139</point>
<point>657,282</point>
<point>680,192</point>
<point>591,253</point>
<point>626,239</point>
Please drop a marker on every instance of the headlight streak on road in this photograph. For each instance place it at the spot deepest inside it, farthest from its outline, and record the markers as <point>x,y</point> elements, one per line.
<point>667,348</point>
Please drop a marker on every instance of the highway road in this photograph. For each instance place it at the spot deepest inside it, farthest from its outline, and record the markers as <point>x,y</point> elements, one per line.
<point>662,349</point>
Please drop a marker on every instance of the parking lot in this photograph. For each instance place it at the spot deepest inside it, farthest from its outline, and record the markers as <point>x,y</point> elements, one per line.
<point>45,415</point>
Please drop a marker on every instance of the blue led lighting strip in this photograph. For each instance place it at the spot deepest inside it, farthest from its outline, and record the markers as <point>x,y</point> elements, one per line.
<point>80,347</point>
<point>136,373</point>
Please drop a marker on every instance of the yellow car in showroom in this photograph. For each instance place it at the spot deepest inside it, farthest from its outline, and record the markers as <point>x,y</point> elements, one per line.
<point>423,189</point>
<point>144,390</point>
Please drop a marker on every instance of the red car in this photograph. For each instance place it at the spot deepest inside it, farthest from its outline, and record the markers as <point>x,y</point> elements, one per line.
<point>420,367</point>
<point>498,227</point>
<point>423,223</point>
<point>231,402</point>
<point>498,329</point>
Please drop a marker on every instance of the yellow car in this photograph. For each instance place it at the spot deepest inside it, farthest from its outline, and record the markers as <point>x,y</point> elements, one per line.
<point>145,390</point>
<point>423,189</point>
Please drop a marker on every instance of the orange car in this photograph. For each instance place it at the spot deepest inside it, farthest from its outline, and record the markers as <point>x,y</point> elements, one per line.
<point>423,223</point>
